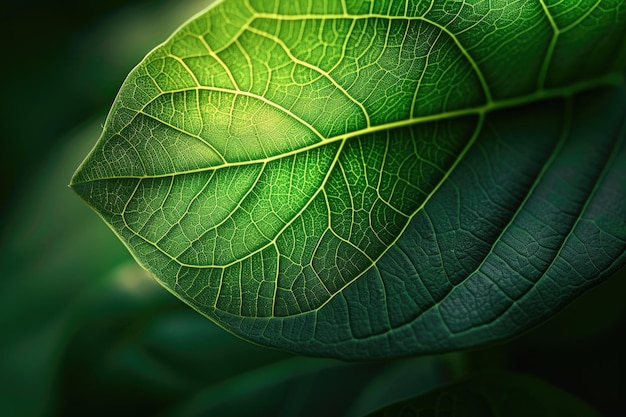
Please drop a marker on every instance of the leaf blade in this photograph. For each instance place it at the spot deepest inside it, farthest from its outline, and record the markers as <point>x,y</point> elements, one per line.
<point>218,171</point>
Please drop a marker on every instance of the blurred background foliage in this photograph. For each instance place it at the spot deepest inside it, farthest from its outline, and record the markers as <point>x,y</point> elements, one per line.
<point>84,331</point>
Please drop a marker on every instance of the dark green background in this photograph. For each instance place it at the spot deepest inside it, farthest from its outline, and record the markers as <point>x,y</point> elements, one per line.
<point>76,341</point>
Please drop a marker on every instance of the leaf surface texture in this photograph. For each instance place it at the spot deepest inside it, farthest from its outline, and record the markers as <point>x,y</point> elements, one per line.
<point>373,179</point>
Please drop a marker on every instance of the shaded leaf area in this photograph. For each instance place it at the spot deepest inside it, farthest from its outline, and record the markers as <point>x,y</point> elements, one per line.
<point>507,241</point>
<point>370,180</point>
<point>493,395</point>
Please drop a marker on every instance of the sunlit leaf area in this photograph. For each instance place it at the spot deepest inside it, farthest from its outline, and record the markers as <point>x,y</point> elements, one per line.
<point>304,208</point>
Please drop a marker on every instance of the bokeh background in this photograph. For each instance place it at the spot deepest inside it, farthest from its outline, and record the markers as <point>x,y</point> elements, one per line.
<point>84,331</point>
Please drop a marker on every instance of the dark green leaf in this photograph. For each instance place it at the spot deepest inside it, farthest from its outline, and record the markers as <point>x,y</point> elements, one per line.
<point>367,180</point>
<point>308,387</point>
<point>493,395</point>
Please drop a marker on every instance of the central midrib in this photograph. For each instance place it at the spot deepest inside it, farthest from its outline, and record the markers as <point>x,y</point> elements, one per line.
<point>611,79</point>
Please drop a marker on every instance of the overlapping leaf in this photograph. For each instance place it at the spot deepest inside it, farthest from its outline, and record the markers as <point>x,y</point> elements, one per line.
<point>494,395</point>
<point>373,179</point>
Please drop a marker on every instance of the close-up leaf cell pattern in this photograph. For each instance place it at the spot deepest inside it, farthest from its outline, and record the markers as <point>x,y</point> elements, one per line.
<point>366,179</point>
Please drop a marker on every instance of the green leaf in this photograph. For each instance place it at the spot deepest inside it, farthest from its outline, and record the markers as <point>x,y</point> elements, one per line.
<point>368,180</point>
<point>294,387</point>
<point>493,395</point>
